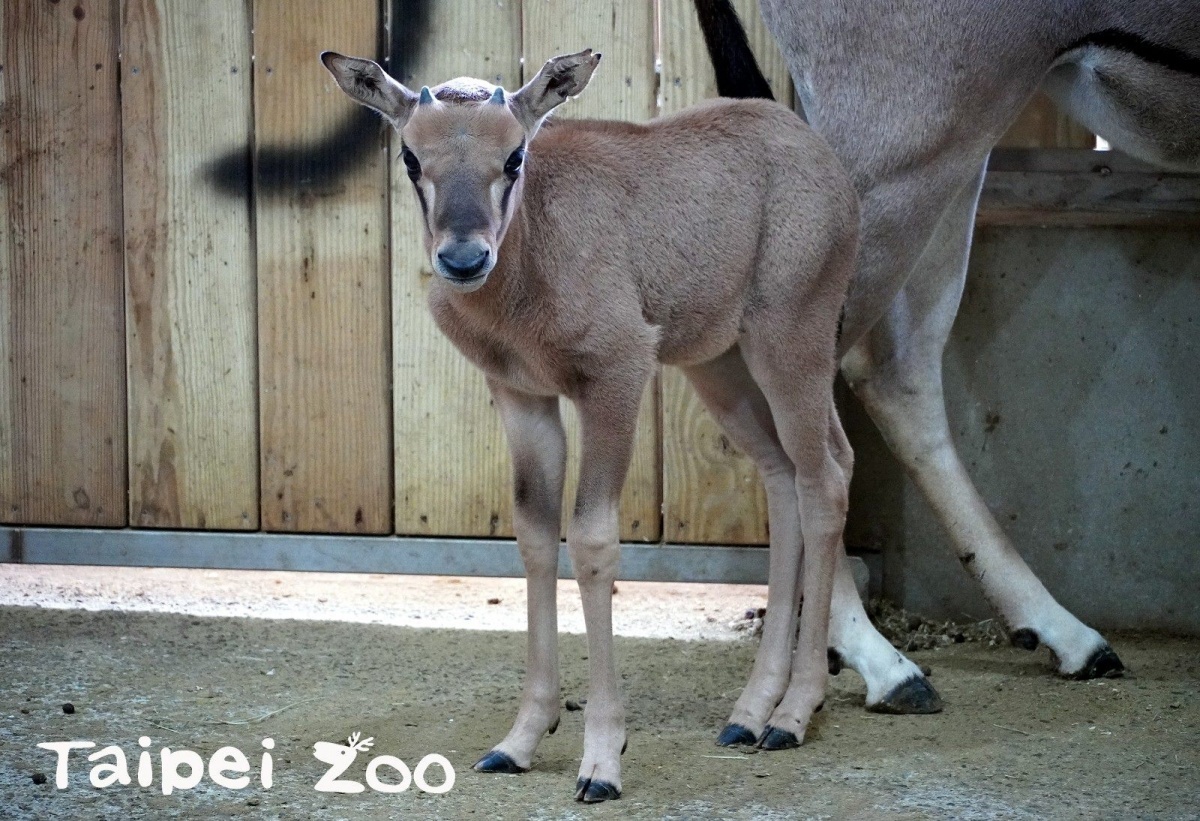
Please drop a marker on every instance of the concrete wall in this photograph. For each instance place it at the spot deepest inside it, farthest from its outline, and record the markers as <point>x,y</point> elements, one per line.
<point>1072,386</point>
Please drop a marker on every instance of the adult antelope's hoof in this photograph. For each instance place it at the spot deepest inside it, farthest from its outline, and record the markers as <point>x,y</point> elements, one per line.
<point>735,734</point>
<point>498,762</point>
<point>774,738</point>
<point>1024,638</point>
<point>1104,663</point>
<point>593,792</point>
<point>915,696</point>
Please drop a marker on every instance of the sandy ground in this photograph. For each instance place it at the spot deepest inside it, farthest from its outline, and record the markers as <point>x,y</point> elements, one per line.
<point>1014,742</point>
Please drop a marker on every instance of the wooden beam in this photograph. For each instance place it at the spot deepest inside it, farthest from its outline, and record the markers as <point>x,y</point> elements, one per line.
<point>1085,188</point>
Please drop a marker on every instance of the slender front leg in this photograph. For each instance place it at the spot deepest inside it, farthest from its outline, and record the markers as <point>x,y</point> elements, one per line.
<point>538,446</point>
<point>608,416</point>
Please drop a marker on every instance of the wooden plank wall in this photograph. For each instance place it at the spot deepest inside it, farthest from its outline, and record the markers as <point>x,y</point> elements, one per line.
<point>249,348</point>
<point>64,395</point>
<point>189,267</point>
<point>323,283</point>
<point>1042,125</point>
<point>451,461</point>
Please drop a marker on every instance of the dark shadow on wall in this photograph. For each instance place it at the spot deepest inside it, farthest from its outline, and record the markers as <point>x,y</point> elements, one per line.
<point>282,168</point>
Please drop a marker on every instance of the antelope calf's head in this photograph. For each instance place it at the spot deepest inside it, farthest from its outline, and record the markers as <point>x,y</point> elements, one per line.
<point>463,144</point>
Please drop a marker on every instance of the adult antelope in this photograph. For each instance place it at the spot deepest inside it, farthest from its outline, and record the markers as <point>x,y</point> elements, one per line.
<point>571,258</point>
<point>913,95</point>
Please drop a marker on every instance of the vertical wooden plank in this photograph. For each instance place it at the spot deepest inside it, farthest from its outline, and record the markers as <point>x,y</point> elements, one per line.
<point>1042,125</point>
<point>193,427</point>
<point>453,474</point>
<point>323,289</point>
<point>60,185</point>
<point>623,88</point>
<point>8,387</point>
<point>711,492</point>
<point>687,72</point>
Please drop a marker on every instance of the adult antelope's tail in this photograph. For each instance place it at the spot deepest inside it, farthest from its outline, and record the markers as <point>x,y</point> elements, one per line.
<point>738,74</point>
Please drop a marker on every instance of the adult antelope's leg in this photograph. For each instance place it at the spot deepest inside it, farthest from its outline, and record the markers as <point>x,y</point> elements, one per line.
<point>894,684</point>
<point>538,446</point>
<point>608,417</point>
<point>735,401</point>
<point>897,372</point>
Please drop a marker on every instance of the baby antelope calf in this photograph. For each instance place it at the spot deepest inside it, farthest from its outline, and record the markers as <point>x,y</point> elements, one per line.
<point>573,257</point>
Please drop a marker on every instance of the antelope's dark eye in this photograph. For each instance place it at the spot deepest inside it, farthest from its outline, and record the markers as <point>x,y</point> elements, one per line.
<point>512,165</point>
<point>411,163</point>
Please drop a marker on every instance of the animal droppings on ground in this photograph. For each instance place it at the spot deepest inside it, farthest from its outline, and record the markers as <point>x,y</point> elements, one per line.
<point>909,632</point>
<point>906,631</point>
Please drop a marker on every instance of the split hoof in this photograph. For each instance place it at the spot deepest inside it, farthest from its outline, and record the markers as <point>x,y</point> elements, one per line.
<point>915,696</point>
<point>594,791</point>
<point>774,738</point>
<point>735,734</point>
<point>498,762</point>
<point>1104,663</point>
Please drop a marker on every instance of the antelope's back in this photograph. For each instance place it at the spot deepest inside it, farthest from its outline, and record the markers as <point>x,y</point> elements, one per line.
<point>680,209</point>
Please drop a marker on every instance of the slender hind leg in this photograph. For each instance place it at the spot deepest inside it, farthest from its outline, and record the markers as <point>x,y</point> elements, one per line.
<point>897,372</point>
<point>735,401</point>
<point>798,386</point>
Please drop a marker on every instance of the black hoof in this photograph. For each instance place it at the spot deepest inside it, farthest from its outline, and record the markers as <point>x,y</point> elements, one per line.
<point>625,746</point>
<point>774,738</point>
<point>498,762</point>
<point>1024,638</point>
<point>593,792</point>
<point>835,661</point>
<point>735,734</point>
<point>553,727</point>
<point>1103,664</point>
<point>913,697</point>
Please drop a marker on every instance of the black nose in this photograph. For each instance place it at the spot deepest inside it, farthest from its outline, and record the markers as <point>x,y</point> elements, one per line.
<point>463,260</point>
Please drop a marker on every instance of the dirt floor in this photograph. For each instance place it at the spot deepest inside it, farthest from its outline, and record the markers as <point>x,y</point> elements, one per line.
<point>1014,741</point>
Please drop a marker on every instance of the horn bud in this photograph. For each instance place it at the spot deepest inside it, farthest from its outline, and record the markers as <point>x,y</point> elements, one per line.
<point>497,97</point>
<point>426,97</point>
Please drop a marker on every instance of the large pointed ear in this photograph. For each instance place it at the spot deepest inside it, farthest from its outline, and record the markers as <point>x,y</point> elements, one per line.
<point>370,85</point>
<point>561,77</point>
